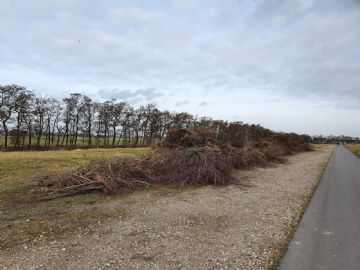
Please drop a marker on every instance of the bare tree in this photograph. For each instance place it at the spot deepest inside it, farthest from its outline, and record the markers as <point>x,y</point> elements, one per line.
<point>71,118</point>
<point>39,117</point>
<point>8,98</point>
<point>88,109</point>
<point>57,111</point>
<point>104,121</point>
<point>115,113</point>
<point>126,121</point>
<point>135,125</point>
<point>183,120</point>
<point>22,108</point>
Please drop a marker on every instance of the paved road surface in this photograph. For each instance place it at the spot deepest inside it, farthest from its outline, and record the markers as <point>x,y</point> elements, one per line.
<point>328,236</point>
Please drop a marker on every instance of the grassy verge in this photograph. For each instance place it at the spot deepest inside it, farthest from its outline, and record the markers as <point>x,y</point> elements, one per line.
<point>22,221</point>
<point>320,146</point>
<point>355,148</point>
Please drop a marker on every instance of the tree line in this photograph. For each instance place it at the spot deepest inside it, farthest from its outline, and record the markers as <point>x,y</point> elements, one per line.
<point>335,139</point>
<point>30,121</point>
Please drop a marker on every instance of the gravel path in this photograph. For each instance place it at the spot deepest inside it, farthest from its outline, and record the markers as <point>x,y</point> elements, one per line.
<point>204,228</point>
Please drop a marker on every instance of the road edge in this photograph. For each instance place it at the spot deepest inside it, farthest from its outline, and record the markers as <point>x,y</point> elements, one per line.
<point>292,229</point>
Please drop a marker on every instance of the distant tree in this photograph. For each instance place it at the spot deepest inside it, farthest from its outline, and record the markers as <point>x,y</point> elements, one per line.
<point>71,118</point>
<point>8,98</point>
<point>29,120</point>
<point>115,113</point>
<point>127,120</point>
<point>166,120</point>
<point>183,120</point>
<point>155,125</point>
<point>52,116</point>
<point>88,109</point>
<point>23,106</point>
<point>135,118</point>
<point>39,112</point>
<point>104,118</point>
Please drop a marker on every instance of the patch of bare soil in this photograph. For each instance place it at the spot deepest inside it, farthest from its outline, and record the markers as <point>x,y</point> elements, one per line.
<point>232,227</point>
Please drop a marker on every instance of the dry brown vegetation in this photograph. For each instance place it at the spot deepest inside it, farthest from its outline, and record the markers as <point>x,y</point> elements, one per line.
<point>23,218</point>
<point>355,148</point>
<point>185,157</point>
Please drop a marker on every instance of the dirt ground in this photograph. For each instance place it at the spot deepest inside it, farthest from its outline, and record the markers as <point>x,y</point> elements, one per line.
<point>234,227</point>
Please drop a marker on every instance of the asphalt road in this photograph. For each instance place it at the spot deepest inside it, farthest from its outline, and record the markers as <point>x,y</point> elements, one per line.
<point>328,236</point>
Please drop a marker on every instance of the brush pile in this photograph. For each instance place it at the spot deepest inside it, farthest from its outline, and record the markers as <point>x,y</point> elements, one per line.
<point>189,138</point>
<point>185,157</point>
<point>108,177</point>
<point>199,165</point>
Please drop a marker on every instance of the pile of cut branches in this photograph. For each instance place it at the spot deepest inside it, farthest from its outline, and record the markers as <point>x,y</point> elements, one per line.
<point>185,157</point>
<point>180,137</point>
<point>200,165</point>
<point>108,177</point>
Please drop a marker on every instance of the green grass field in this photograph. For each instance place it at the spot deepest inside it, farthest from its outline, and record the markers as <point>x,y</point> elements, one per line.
<point>23,219</point>
<point>81,142</point>
<point>355,148</point>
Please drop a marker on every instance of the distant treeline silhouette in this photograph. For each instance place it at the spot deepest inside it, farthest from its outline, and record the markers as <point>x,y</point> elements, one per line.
<point>30,121</point>
<point>335,139</point>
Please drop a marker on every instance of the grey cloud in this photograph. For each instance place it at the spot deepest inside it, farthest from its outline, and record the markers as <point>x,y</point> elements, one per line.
<point>203,103</point>
<point>295,47</point>
<point>303,50</point>
<point>134,96</point>
<point>182,102</point>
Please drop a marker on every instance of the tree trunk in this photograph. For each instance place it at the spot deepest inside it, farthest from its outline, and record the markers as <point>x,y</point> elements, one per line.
<point>114,135</point>
<point>58,138</point>
<point>17,139</point>
<point>89,134</point>
<point>41,126</point>
<point>6,133</point>
<point>66,135</point>
<point>29,138</point>
<point>136,138</point>
<point>76,129</point>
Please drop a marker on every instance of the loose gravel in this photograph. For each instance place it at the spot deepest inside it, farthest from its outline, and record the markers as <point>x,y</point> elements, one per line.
<point>236,227</point>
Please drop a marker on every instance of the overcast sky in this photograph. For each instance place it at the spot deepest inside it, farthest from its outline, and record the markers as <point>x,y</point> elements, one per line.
<point>288,65</point>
